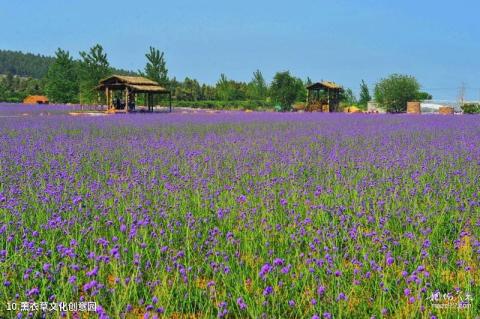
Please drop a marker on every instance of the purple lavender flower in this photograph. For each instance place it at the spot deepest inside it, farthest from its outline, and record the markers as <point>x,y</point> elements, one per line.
<point>46,267</point>
<point>321,290</point>
<point>266,268</point>
<point>93,272</point>
<point>390,260</point>
<point>33,291</point>
<point>241,303</point>
<point>268,291</point>
<point>278,262</point>
<point>341,296</point>
<point>76,200</point>
<point>88,286</point>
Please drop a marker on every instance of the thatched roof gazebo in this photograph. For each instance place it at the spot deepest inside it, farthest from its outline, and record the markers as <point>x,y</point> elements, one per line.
<point>324,96</point>
<point>131,86</point>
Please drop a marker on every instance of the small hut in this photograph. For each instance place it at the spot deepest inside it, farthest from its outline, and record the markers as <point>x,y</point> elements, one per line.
<point>446,110</point>
<point>414,108</point>
<point>36,99</point>
<point>324,97</point>
<point>129,88</point>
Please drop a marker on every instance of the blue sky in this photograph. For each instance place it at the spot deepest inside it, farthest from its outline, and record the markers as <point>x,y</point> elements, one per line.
<point>338,40</point>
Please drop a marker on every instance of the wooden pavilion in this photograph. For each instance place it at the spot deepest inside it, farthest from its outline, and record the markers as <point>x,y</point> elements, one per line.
<point>324,97</point>
<point>130,87</point>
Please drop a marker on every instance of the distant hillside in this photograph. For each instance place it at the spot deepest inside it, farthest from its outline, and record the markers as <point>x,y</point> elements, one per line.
<point>31,65</point>
<point>24,64</point>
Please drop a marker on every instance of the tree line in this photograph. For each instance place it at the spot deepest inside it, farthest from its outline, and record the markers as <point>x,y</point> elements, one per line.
<point>67,80</point>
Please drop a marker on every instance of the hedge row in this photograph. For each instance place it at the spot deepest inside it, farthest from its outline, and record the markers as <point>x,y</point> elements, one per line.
<point>241,105</point>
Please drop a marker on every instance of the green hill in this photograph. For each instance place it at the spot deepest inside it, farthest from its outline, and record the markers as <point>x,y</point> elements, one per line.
<point>24,64</point>
<point>31,65</point>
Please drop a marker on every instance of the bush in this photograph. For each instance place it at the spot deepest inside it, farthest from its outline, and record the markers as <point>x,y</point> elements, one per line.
<point>225,105</point>
<point>471,108</point>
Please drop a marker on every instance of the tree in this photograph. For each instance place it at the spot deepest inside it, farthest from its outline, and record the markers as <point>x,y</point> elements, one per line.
<point>470,108</point>
<point>24,64</point>
<point>228,90</point>
<point>348,97</point>
<point>94,66</point>
<point>394,92</point>
<point>190,90</point>
<point>301,90</point>
<point>257,89</point>
<point>284,90</point>
<point>308,82</point>
<point>61,80</point>
<point>364,95</point>
<point>224,91</point>
<point>208,92</point>
<point>156,68</point>
<point>424,96</point>
<point>3,91</point>
<point>16,88</point>
<point>9,81</point>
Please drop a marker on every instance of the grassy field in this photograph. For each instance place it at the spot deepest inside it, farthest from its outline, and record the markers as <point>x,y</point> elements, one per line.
<point>240,215</point>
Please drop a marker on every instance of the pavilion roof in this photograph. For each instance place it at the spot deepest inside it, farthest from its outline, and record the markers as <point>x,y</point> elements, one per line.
<point>134,83</point>
<point>325,84</point>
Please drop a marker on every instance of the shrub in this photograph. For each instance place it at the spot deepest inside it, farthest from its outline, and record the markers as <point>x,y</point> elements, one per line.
<point>223,105</point>
<point>471,108</point>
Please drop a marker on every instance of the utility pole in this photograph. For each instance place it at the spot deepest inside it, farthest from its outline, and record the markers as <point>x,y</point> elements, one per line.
<point>461,94</point>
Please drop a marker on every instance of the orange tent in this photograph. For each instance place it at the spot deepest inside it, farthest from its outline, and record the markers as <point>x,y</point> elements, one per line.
<point>36,99</point>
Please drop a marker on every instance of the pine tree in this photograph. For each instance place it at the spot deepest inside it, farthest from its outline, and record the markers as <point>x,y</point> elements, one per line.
<point>224,88</point>
<point>156,68</point>
<point>94,66</point>
<point>364,94</point>
<point>61,80</point>
<point>257,88</point>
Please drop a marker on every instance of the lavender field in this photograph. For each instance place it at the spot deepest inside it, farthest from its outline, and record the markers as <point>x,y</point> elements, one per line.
<point>240,215</point>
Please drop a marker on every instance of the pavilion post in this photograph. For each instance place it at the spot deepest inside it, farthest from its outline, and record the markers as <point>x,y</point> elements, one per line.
<point>126,100</point>
<point>328,94</point>
<point>148,101</point>
<point>106,98</point>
